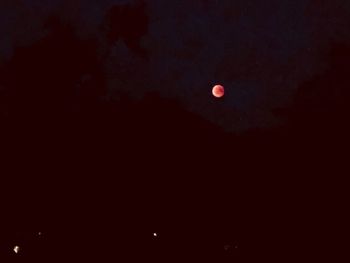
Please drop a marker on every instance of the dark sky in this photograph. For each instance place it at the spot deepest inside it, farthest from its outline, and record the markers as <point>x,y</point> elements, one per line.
<point>109,131</point>
<point>262,52</point>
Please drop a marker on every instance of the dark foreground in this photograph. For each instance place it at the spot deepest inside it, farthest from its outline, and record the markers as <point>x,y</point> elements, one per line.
<point>98,184</point>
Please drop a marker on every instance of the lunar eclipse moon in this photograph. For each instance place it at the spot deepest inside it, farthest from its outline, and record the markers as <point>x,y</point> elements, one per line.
<point>218,91</point>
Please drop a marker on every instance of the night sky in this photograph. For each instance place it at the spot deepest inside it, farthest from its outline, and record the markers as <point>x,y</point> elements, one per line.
<point>114,147</point>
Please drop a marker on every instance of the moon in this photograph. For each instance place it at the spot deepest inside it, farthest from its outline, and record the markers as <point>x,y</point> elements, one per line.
<point>218,91</point>
<point>16,249</point>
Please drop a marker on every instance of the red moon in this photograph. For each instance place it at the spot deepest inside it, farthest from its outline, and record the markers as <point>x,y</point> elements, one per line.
<point>218,91</point>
